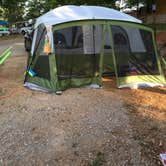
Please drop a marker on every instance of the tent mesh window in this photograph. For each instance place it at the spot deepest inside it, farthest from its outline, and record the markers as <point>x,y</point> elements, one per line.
<point>134,51</point>
<point>77,51</point>
<point>41,66</point>
<point>108,65</point>
<point>39,37</point>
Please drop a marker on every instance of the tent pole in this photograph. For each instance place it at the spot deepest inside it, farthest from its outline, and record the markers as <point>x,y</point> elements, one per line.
<point>102,54</point>
<point>109,26</point>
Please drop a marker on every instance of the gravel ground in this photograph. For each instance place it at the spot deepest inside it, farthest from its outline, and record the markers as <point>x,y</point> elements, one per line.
<point>66,130</point>
<point>81,127</point>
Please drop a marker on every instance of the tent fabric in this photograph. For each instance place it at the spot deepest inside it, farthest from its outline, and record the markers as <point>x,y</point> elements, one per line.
<point>93,41</point>
<point>2,22</point>
<point>70,13</point>
<point>73,13</point>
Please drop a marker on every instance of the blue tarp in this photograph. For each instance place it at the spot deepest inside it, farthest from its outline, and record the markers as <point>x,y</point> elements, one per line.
<point>2,22</point>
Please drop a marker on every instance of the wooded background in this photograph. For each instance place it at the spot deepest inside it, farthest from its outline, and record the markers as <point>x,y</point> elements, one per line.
<point>19,10</point>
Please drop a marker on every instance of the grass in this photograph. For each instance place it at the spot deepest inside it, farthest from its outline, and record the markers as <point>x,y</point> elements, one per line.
<point>99,160</point>
<point>2,92</point>
<point>20,108</point>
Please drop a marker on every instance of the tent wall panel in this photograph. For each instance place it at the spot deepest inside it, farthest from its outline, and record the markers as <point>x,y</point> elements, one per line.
<point>42,67</point>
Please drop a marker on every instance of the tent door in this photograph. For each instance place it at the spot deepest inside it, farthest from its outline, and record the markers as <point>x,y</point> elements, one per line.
<point>109,62</point>
<point>135,56</point>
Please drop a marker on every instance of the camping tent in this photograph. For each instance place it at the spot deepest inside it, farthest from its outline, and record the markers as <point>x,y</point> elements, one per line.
<point>75,45</point>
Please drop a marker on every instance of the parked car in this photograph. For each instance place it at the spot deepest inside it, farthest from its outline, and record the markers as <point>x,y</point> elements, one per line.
<point>14,31</point>
<point>4,31</point>
<point>28,36</point>
<point>27,26</point>
<point>23,30</point>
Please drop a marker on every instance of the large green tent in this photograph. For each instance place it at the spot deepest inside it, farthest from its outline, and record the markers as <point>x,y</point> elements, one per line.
<point>75,45</point>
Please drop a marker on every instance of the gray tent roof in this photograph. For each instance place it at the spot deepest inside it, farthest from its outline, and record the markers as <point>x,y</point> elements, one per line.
<point>73,13</point>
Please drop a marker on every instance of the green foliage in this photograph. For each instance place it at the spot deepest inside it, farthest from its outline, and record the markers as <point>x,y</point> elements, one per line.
<point>136,2</point>
<point>17,10</point>
<point>99,160</point>
<point>13,10</point>
<point>38,7</point>
<point>34,8</point>
<point>1,13</point>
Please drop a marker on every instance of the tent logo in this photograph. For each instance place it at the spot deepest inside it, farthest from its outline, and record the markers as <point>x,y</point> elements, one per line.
<point>47,47</point>
<point>31,72</point>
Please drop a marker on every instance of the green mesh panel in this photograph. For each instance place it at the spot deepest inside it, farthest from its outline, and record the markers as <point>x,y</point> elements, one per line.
<point>134,51</point>
<point>108,65</point>
<point>40,60</point>
<point>42,68</point>
<point>77,51</point>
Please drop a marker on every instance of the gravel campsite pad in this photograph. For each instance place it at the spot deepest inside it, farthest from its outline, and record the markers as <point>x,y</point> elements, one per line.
<point>81,127</point>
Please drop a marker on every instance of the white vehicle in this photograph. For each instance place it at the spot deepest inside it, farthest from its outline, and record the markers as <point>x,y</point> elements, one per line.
<point>23,30</point>
<point>28,26</point>
<point>4,31</point>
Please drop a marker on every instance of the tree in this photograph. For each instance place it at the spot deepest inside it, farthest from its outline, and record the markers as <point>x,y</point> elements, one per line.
<point>147,3</point>
<point>37,7</point>
<point>1,13</point>
<point>17,10</point>
<point>34,8</point>
<point>13,10</point>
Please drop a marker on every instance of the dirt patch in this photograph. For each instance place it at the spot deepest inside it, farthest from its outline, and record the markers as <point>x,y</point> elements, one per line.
<point>10,37</point>
<point>14,42</point>
<point>161,41</point>
<point>147,113</point>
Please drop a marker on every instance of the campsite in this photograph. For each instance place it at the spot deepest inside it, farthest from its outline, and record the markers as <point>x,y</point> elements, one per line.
<point>83,95</point>
<point>124,126</point>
